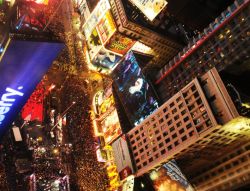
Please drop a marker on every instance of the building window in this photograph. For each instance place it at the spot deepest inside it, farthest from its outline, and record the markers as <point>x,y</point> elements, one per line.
<point>181,131</point>
<point>167,140</point>
<point>176,117</point>
<point>174,136</point>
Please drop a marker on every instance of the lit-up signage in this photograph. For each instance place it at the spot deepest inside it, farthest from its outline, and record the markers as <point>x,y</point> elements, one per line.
<point>169,177</point>
<point>122,157</point>
<point>95,17</point>
<point>94,44</point>
<point>43,2</point>
<point>128,185</point>
<point>7,100</point>
<point>99,156</point>
<point>140,47</point>
<point>106,27</point>
<point>111,127</point>
<point>150,8</point>
<point>21,68</point>
<point>119,44</point>
<point>97,101</point>
<point>104,61</point>
<point>82,6</point>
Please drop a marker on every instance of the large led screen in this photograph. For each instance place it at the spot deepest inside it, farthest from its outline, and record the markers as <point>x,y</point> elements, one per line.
<point>137,96</point>
<point>21,68</point>
<point>150,8</point>
<point>169,177</point>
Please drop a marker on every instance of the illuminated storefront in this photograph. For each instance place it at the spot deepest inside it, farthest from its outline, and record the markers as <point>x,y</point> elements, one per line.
<point>107,127</point>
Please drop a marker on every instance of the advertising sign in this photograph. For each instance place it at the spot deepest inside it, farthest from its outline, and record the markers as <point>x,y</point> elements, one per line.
<point>169,177</point>
<point>97,101</point>
<point>82,5</point>
<point>119,44</point>
<point>106,105</point>
<point>111,127</point>
<point>21,68</point>
<point>150,8</point>
<point>106,27</point>
<point>96,15</point>
<point>128,185</point>
<point>100,155</point>
<point>142,48</point>
<point>122,157</point>
<point>105,61</point>
<point>137,96</point>
<point>94,44</point>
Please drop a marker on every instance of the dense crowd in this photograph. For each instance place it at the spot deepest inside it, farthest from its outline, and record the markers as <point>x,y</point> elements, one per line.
<point>88,172</point>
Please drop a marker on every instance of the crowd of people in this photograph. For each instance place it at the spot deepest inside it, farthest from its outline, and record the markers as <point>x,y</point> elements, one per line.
<point>88,172</point>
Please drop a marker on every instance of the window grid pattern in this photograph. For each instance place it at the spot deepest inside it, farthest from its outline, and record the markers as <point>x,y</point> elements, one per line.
<point>225,47</point>
<point>185,116</point>
<point>228,172</point>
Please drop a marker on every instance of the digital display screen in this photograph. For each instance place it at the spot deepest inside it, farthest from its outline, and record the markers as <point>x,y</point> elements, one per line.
<point>22,67</point>
<point>150,8</point>
<point>137,96</point>
<point>169,177</point>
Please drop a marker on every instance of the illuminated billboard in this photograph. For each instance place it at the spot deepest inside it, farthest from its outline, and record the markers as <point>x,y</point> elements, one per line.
<point>105,105</point>
<point>21,68</point>
<point>96,15</point>
<point>83,8</point>
<point>150,8</point>
<point>111,127</point>
<point>122,158</point>
<point>106,27</point>
<point>94,44</point>
<point>119,44</point>
<point>142,48</point>
<point>169,177</point>
<point>135,93</point>
<point>104,61</point>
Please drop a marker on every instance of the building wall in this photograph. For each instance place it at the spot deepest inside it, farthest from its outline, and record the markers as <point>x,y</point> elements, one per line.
<point>181,121</point>
<point>176,124</point>
<point>228,172</point>
<point>164,47</point>
<point>219,99</point>
<point>223,43</point>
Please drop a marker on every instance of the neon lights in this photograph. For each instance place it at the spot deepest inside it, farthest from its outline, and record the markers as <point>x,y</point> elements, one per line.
<point>7,101</point>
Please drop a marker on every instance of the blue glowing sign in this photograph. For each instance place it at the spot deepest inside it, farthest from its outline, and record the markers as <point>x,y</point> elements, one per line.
<point>22,67</point>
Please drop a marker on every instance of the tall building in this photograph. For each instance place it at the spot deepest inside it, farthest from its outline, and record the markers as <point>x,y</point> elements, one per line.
<point>204,117</point>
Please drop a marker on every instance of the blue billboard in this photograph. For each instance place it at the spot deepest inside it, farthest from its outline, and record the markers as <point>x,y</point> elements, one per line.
<point>21,68</point>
